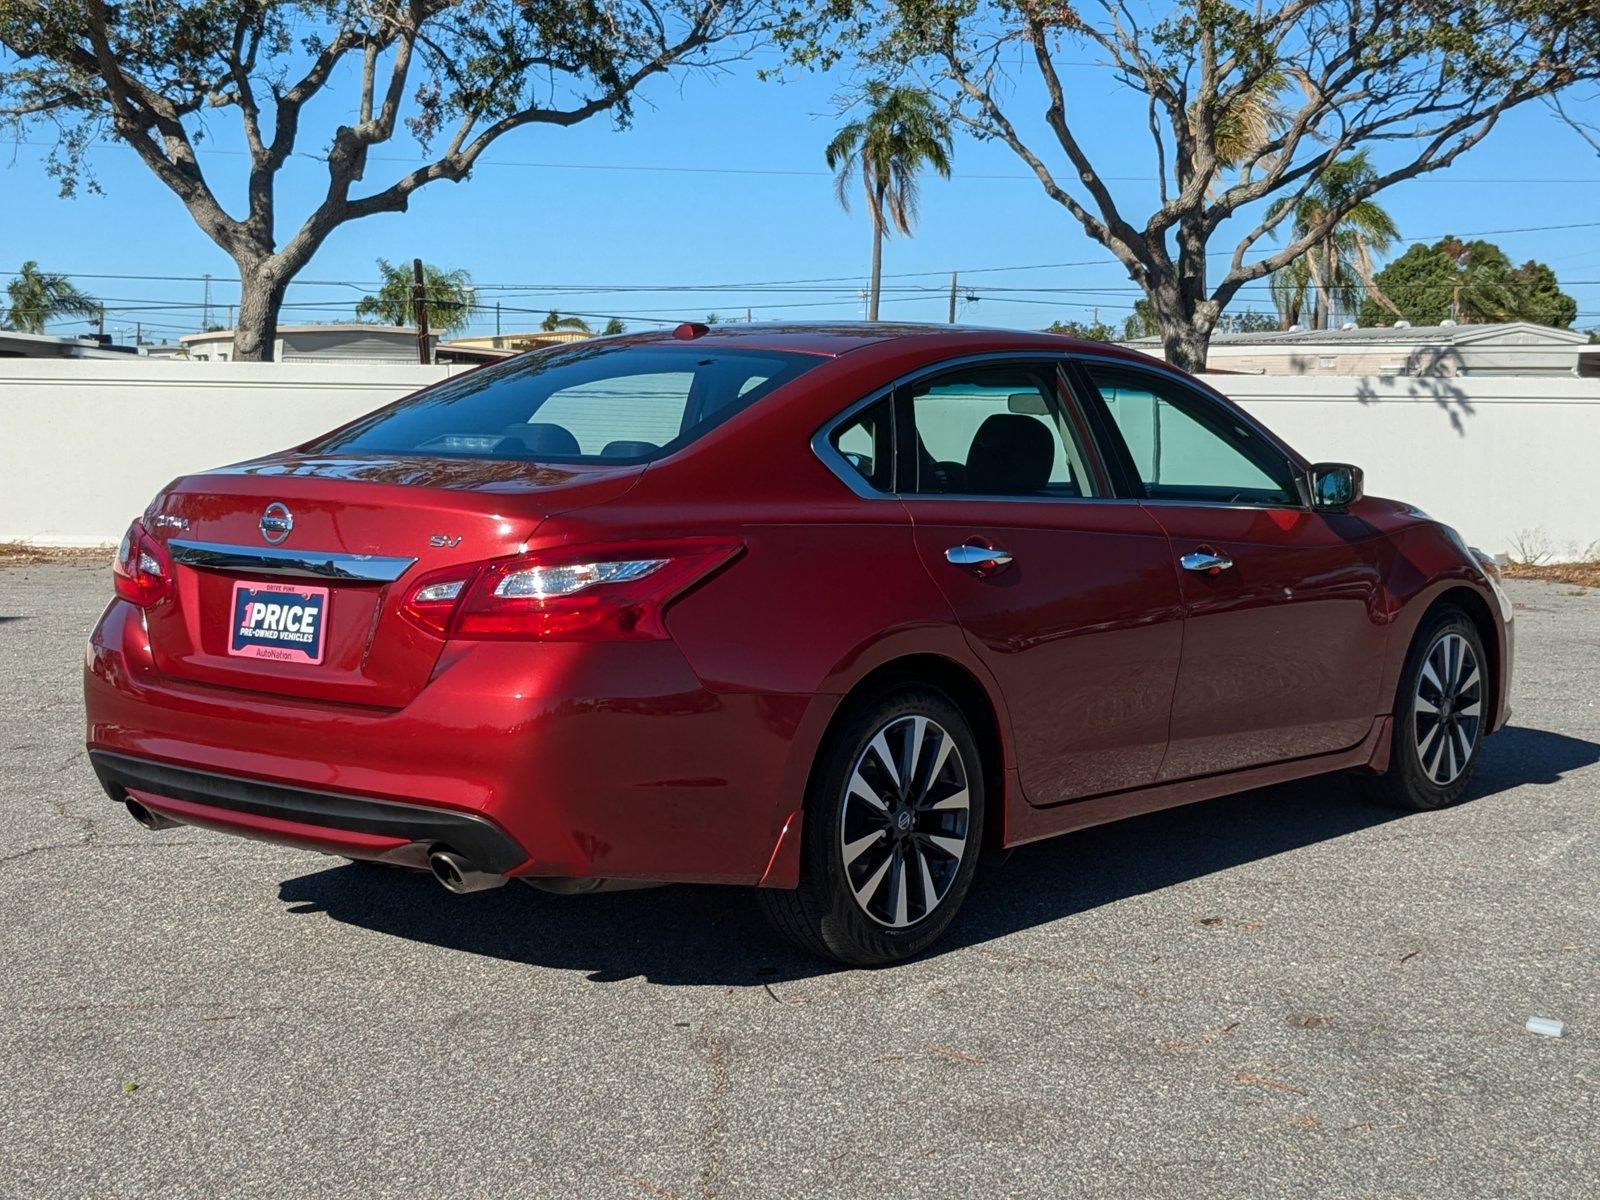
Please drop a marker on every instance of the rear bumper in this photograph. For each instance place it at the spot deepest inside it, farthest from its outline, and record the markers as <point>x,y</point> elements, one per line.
<point>303,816</point>
<point>595,761</point>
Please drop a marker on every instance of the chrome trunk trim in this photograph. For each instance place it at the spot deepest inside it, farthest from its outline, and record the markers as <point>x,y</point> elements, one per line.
<point>302,564</point>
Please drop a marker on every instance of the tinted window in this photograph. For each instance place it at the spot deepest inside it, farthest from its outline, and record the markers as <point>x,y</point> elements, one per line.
<point>866,443</point>
<point>995,431</point>
<point>588,402</point>
<point>1184,447</point>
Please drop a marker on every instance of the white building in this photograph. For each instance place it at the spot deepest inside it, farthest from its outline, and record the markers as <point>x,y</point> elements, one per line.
<point>352,343</point>
<point>1508,348</point>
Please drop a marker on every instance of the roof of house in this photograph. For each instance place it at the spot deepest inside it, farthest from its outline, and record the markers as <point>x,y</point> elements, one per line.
<point>48,345</point>
<point>1376,335</point>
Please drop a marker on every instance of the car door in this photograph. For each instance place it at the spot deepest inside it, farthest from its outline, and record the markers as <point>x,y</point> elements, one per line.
<point>1068,596</point>
<point>1284,631</point>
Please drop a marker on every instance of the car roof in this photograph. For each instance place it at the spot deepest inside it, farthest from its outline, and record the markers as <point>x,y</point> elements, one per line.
<point>833,338</point>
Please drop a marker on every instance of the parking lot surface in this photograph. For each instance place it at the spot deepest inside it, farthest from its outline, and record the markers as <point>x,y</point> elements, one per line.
<point>1286,993</point>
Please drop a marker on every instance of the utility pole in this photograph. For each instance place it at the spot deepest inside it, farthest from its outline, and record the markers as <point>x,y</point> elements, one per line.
<point>419,306</point>
<point>952,297</point>
<point>205,307</point>
<point>497,320</point>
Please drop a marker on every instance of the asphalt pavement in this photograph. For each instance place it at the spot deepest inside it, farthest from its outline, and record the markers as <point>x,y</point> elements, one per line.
<point>1286,993</point>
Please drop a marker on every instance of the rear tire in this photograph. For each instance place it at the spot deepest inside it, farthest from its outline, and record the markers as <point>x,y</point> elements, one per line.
<point>1440,716</point>
<point>893,824</point>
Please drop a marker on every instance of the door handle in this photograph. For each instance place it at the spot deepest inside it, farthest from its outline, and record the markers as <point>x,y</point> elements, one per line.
<point>982,558</point>
<point>1205,560</point>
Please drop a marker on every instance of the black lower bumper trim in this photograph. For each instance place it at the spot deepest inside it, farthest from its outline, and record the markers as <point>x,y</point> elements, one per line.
<point>482,841</point>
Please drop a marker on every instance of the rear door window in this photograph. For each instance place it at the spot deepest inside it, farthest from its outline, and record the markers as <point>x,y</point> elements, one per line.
<point>583,403</point>
<point>995,431</point>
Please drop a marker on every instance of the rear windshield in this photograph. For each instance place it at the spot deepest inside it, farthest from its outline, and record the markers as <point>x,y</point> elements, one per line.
<point>602,402</point>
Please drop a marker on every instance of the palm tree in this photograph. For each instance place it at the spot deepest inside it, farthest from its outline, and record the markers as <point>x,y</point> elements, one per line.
<point>555,321</point>
<point>900,134</point>
<point>450,297</point>
<point>1339,264</point>
<point>1290,287</point>
<point>615,326</point>
<point>1247,120</point>
<point>37,297</point>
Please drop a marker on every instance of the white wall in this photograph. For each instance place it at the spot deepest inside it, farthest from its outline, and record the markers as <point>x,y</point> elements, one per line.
<point>1502,459</point>
<point>84,445</point>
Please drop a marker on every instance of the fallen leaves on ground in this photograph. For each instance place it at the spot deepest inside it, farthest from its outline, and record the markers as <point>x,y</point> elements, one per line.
<point>26,554</point>
<point>1581,574</point>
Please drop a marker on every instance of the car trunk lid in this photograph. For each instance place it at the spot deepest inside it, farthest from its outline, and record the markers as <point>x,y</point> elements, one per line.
<point>354,531</point>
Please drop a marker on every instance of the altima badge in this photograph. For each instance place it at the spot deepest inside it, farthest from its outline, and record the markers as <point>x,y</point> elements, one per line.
<point>276,522</point>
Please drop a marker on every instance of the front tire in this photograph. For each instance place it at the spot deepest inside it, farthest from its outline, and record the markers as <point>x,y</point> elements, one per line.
<point>1440,717</point>
<point>893,824</point>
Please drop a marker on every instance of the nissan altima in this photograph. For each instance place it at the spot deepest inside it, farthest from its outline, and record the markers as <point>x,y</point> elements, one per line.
<point>821,610</point>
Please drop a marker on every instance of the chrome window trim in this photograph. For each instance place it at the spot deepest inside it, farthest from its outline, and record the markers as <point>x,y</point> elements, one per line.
<point>822,440</point>
<point>298,564</point>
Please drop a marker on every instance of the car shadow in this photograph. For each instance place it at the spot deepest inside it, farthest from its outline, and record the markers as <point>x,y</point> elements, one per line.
<point>688,935</point>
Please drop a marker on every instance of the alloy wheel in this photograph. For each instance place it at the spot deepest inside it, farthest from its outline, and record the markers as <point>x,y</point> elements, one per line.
<point>1447,710</point>
<point>905,811</point>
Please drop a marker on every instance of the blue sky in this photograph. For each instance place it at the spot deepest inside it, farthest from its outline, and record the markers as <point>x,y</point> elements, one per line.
<point>720,181</point>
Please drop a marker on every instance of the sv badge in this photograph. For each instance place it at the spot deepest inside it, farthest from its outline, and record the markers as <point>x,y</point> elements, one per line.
<point>443,541</point>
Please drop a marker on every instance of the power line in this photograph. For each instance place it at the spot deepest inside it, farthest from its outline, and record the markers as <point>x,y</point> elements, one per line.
<point>595,289</point>
<point>792,172</point>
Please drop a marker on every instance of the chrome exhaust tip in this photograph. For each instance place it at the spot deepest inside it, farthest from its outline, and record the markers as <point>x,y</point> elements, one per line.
<point>457,874</point>
<point>150,820</point>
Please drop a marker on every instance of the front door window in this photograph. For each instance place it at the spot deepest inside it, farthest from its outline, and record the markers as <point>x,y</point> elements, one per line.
<point>1184,447</point>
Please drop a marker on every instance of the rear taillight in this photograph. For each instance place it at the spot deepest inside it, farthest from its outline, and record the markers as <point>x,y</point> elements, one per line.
<point>142,570</point>
<point>616,591</point>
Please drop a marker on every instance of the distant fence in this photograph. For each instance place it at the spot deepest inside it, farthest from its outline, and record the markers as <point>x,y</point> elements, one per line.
<point>84,444</point>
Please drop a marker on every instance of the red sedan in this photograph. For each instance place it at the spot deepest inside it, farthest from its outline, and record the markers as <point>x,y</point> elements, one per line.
<point>822,610</point>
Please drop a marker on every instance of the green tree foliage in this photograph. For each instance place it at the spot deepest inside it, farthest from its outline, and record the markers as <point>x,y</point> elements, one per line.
<point>330,82</point>
<point>1251,321</point>
<point>450,298</point>
<point>37,297</point>
<point>614,326</point>
<point>1141,322</point>
<point>1090,331</point>
<point>1471,282</point>
<point>902,133</point>
<point>1246,104</point>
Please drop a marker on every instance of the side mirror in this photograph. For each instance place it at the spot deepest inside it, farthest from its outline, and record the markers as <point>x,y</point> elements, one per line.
<point>1335,486</point>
